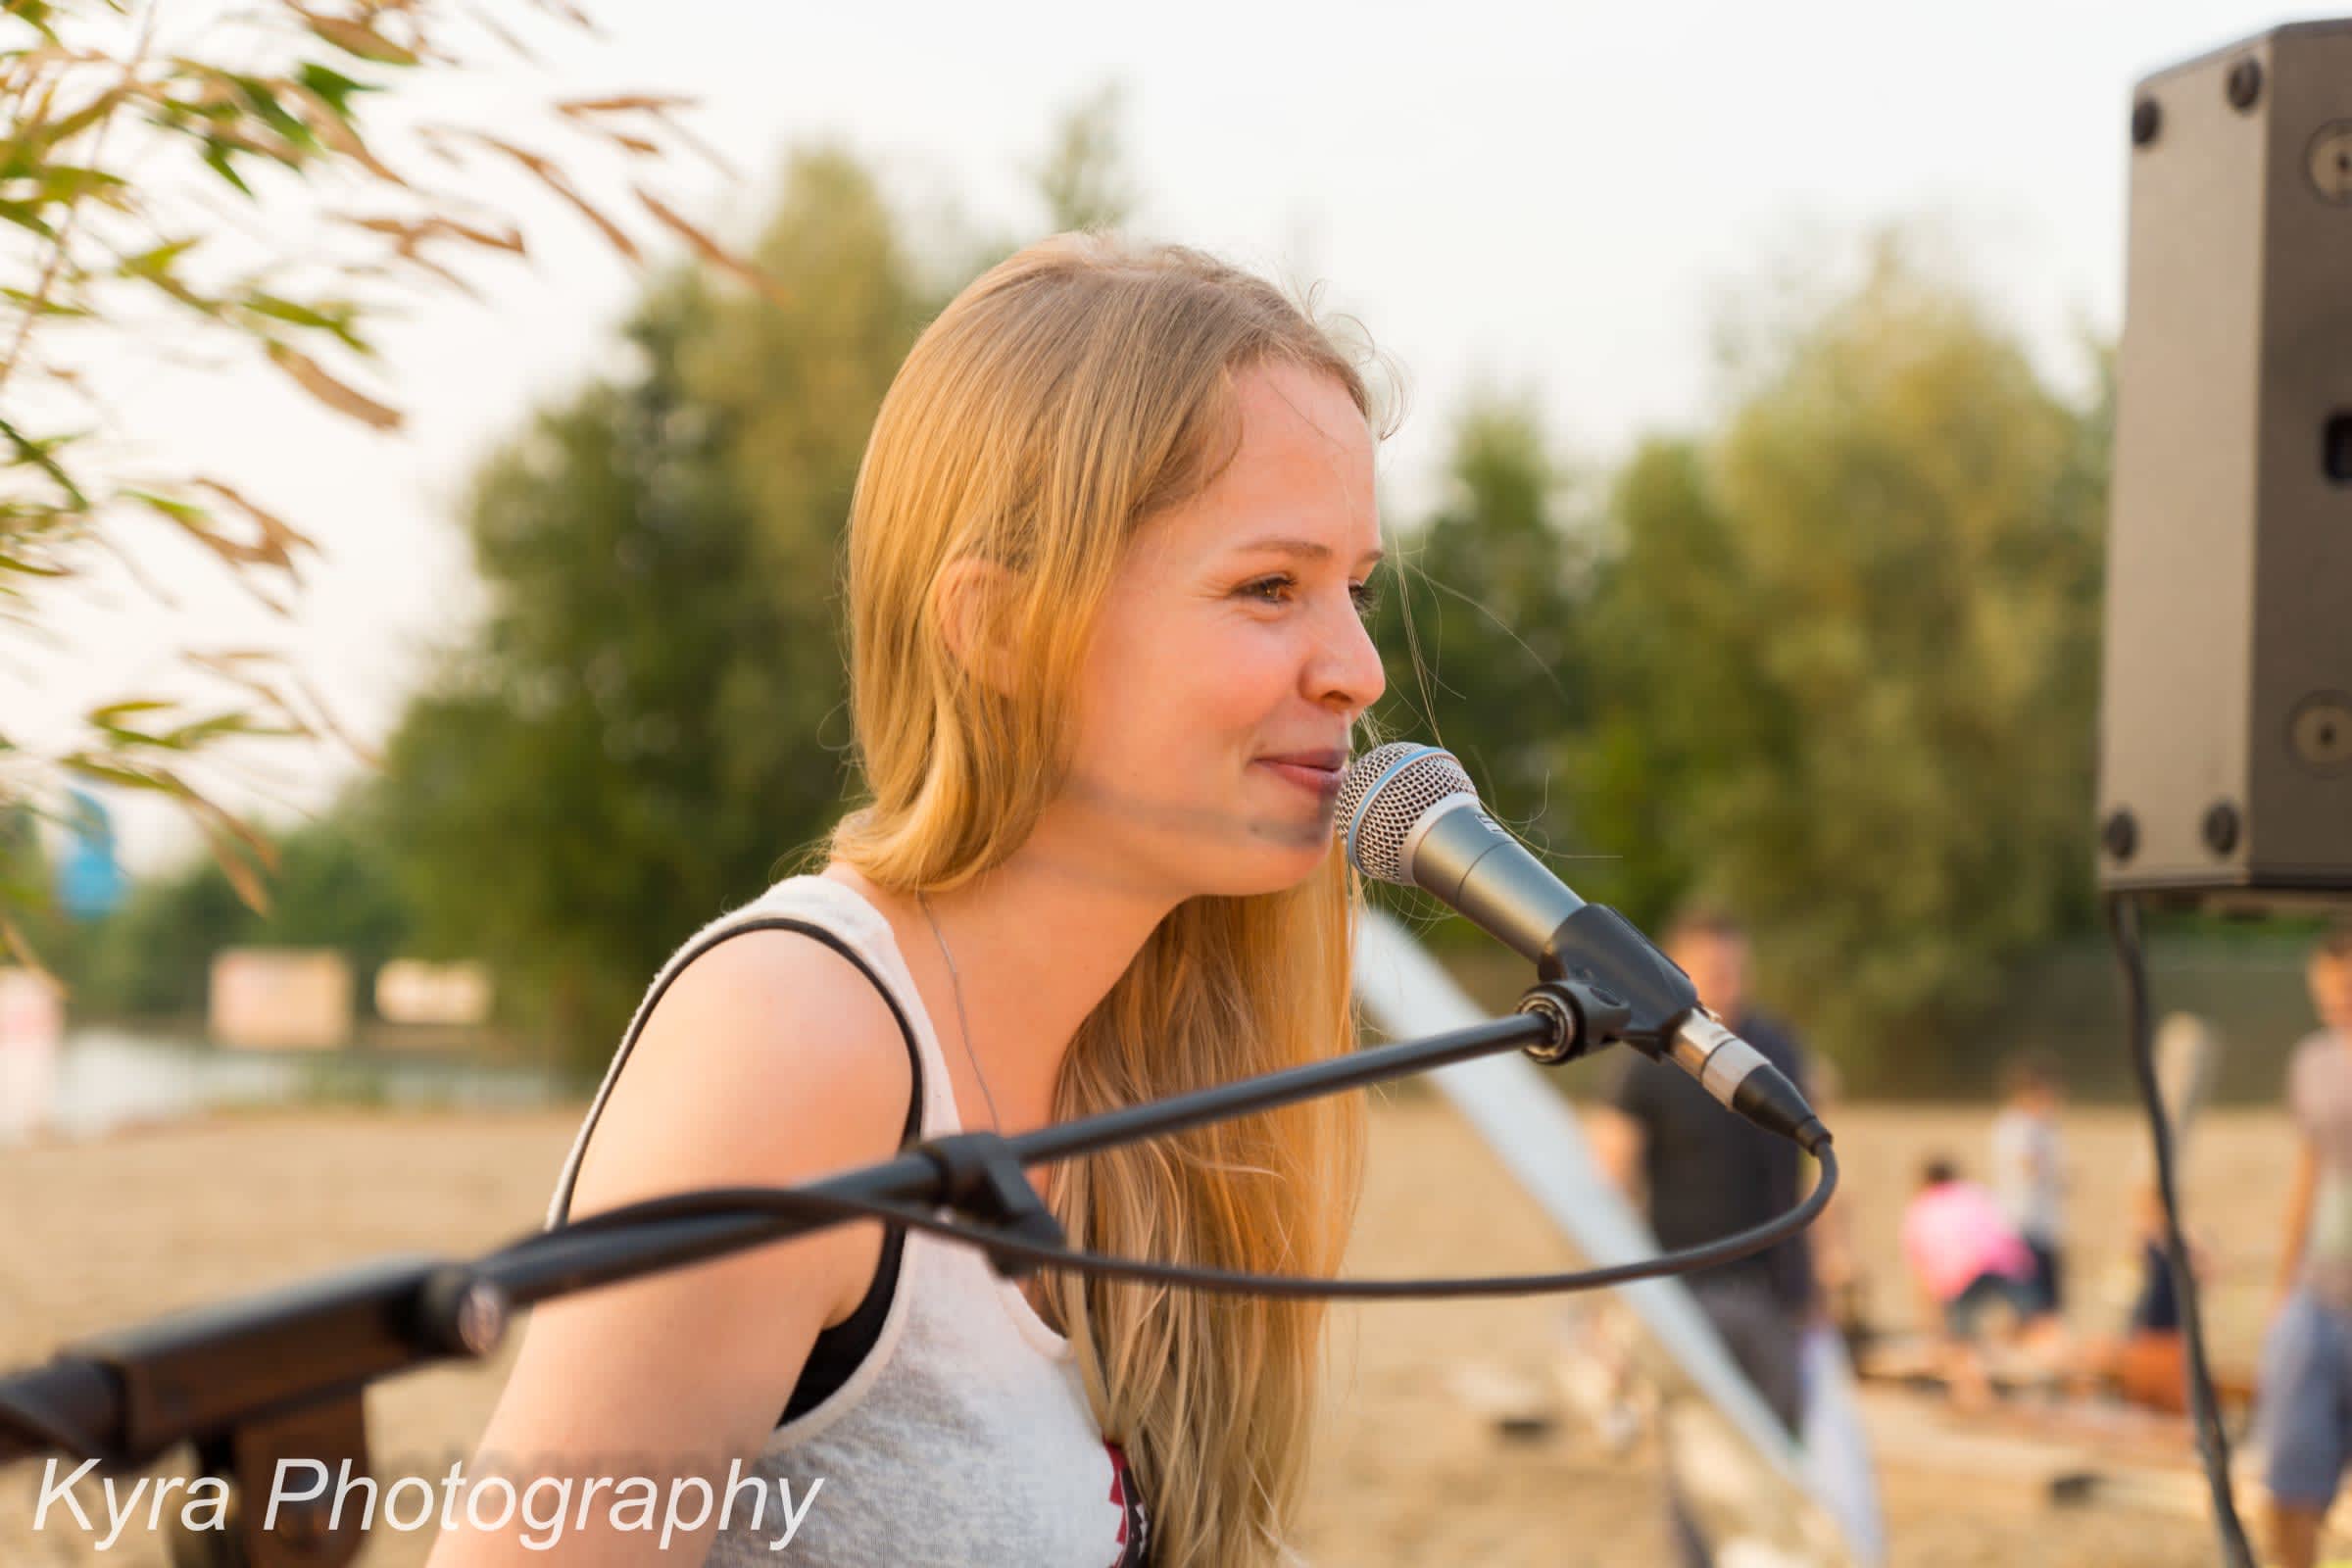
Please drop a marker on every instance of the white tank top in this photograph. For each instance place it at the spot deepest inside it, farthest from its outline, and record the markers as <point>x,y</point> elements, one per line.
<point>964,1435</point>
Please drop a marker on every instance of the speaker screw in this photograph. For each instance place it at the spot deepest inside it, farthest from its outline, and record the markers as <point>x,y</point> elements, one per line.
<point>2220,827</point>
<point>2244,85</point>
<point>2121,835</point>
<point>2147,119</point>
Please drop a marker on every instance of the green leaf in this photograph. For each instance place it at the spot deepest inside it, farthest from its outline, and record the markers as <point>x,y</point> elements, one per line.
<point>89,768</point>
<point>70,182</point>
<point>26,215</point>
<point>255,94</point>
<point>42,307</point>
<point>216,155</point>
<point>180,511</point>
<point>189,736</point>
<point>329,316</point>
<point>155,263</point>
<point>37,453</point>
<point>35,14</point>
<point>333,86</point>
<point>59,131</point>
<point>113,711</point>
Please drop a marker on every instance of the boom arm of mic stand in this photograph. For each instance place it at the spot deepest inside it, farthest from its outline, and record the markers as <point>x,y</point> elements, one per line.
<point>279,1376</point>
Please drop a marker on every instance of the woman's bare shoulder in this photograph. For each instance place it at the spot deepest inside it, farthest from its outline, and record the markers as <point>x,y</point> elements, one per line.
<point>768,1061</point>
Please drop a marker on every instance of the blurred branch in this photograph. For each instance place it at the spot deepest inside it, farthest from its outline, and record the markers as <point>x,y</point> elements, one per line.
<point>272,108</point>
<point>103,108</point>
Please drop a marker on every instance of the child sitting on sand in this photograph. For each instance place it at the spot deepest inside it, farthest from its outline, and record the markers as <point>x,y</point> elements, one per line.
<point>1967,1260</point>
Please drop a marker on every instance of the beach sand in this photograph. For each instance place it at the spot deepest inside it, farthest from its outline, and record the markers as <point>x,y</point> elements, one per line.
<point>109,1231</point>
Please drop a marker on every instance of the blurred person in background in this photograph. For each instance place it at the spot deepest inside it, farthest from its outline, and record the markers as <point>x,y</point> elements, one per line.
<point>1966,1262</point>
<point>2306,1377</point>
<point>1699,1173</point>
<point>2028,1168</point>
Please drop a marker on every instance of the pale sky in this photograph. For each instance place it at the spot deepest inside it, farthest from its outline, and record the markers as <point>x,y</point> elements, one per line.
<point>1548,197</point>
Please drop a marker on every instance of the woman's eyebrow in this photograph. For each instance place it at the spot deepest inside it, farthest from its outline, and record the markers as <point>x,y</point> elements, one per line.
<point>1313,547</point>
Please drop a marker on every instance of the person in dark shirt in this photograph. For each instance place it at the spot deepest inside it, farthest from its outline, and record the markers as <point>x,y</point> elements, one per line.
<point>1701,1173</point>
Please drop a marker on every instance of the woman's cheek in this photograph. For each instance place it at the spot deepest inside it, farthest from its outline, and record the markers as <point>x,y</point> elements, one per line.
<point>1226,675</point>
<point>1247,685</point>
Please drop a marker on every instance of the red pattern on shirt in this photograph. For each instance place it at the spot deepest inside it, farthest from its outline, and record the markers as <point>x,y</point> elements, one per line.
<point>1135,1525</point>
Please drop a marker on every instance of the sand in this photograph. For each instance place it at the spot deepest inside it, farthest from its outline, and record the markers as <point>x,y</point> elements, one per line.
<point>107,1233</point>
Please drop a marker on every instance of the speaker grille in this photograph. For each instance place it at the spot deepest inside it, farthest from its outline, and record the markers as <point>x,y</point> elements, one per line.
<point>1384,795</point>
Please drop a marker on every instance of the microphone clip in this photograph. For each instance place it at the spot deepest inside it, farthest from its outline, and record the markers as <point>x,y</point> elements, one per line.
<point>1601,951</point>
<point>1584,1017</point>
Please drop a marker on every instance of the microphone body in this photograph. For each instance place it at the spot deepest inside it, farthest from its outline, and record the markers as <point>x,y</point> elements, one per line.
<point>1460,854</point>
<point>1407,814</point>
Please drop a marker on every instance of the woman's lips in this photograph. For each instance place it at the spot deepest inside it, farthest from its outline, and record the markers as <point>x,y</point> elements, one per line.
<point>1322,780</point>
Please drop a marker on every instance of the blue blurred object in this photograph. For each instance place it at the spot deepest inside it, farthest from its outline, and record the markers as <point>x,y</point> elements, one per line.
<point>89,878</point>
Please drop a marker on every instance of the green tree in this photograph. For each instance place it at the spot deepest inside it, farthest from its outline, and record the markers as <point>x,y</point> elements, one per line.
<point>1847,649</point>
<point>638,733</point>
<point>1479,633</point>
<point>1479,626</point>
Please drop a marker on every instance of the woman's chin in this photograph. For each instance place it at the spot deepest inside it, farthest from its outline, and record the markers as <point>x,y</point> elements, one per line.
<point>1278,864</point>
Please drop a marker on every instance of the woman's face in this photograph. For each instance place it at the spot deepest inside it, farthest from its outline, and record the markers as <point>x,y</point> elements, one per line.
<point>1234,634</point>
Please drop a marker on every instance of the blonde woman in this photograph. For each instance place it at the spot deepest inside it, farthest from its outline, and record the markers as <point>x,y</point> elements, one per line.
<point>1107,563</point>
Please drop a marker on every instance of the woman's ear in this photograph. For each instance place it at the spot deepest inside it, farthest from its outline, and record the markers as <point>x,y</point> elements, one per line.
<point>970,597</point>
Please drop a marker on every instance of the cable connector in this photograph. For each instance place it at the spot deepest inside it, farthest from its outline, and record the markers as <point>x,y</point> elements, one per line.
<point>1739,1075</point>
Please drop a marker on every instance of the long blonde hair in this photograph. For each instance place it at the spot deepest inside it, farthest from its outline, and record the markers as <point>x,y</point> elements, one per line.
<point>1062,398</point>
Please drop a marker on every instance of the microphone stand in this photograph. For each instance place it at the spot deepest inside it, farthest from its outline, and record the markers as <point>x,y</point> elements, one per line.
<point>280,1377</point>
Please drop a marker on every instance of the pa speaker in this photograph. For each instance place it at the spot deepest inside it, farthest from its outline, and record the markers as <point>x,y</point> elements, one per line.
<point>2226,733</point>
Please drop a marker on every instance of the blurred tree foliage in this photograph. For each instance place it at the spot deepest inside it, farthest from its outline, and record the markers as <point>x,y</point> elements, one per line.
<point>1831,662</point>
<point>1083,176</point>
<point>645,722</point>
<point>1480,628</point>
<point>1844,657</point>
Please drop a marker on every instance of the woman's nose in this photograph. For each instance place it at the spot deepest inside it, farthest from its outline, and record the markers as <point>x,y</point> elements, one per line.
<point>1347,673</point>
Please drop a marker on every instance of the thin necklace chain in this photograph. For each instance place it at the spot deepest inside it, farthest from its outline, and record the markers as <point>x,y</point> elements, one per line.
<point>963,1023</point>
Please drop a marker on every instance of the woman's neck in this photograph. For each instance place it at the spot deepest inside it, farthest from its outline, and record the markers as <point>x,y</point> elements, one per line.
<point>1037,945</point>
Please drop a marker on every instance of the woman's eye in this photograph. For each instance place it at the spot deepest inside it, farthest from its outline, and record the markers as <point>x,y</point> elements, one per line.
<point>1365,595</point>
<point>1259,588</point>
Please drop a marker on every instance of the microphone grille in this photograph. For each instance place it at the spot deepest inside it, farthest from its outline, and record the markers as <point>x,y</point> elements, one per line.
<point>1385,793</point>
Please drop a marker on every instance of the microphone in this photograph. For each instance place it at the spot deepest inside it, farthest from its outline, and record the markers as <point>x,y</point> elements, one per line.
<point>1408,814</point>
